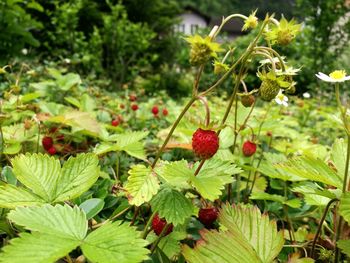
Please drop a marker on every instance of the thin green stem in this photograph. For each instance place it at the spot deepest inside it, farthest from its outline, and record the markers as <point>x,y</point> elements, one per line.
<point>319,228</point>
<point>188,105</point>
<point>156,242</point>
<point>145,230</point>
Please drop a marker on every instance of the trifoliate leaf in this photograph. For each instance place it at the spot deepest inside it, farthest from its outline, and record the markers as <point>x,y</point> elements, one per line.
<point>142,184</point>
<point>172,205</point>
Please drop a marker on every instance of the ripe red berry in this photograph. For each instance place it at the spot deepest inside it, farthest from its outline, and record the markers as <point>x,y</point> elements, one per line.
<point>47,142</point>
<point>158,224</point>
<point>205,143</point>
<point>207,216</point>
<point>165,112</point>
<point>134,107</point>
<point>132,97</point>
<point>115,122</point>
<point>249,148</point>
<point>52,150</point>
<point>155,110</point>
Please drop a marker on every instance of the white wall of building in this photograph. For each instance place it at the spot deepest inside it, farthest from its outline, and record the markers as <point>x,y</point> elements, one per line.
<point>190,23</point>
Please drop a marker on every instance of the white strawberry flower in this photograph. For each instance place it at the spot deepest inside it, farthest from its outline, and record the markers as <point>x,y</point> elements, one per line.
<point>281,99</point>
<point>335,76</point>
<point>306,95</point>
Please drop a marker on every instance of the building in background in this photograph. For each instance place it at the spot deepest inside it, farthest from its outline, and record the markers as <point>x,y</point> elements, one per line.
<point>191,20</point>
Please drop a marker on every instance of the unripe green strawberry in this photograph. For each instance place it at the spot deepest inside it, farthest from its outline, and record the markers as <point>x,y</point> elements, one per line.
<point>269,89</point>
<point>200,54</point>
<point>247,100</point>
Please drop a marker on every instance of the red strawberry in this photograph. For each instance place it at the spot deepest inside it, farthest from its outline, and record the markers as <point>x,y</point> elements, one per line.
<point>207,216</point>
<point>165,112</point>
<point>134,107</point>
<point>155,110</point>
<point>249,148</point>
<point>115,122</point>
<point>132,97</point>
<point>52,150</point>
<point>205,143</point>
<point>159,223</point>
<point>47,142</point>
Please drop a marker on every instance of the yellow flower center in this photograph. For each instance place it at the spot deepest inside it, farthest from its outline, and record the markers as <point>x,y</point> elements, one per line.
<point>280,97</point>
<point>338,74</point>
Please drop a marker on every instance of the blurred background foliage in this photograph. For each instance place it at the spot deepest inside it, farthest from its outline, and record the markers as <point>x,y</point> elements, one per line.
<point>132,43</point>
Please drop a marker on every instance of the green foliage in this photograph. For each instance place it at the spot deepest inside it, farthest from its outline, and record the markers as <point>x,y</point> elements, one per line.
<point>253,236</point>
<point>312,169</point>
<point>59,229</point>
<point>172,205</point>
<point>142,185</point>
<point>212,178</point>
<point>344,207</point>
<point>46,182</point>
<point>17,25</point>
<point>344,245</point>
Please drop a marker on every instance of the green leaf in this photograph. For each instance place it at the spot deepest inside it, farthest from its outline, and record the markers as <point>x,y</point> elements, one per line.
<point>224,247</point>
<point>344,207</point>
<point>213,177</point>
<point>130,143</point>
<point>12,196</point>
<point>92,207</point>
<point>39,173</point>
<point>312,169</point>
<point>75,102</point>
<point>62,221</point>
<point>115,241</point>
<point>344,245</point>
<point>226,138</point>
<point>79,120</point>
<point>338,155</point>
<point>48,182</point>
<point>78,175</point>
<point>257,229</point>
<point>37,248</point>
<point>172,205</point>
<point>142,185</point>
<point>176,174</point>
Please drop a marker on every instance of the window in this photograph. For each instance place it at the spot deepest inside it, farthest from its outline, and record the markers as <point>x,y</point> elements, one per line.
<point>180,28</point>
<point>194,29</point>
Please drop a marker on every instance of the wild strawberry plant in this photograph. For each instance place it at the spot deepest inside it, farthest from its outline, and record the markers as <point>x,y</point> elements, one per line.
<point>241,196</point>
